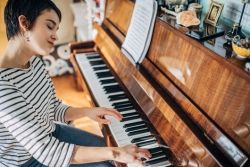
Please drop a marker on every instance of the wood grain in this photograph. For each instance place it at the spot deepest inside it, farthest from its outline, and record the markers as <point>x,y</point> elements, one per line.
<point>216,87</point>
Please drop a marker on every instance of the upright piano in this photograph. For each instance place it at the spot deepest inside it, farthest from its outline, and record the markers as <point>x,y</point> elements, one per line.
<point>185,103</point>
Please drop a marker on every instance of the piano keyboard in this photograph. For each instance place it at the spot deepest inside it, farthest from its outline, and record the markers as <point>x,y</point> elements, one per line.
<point>108,93</point>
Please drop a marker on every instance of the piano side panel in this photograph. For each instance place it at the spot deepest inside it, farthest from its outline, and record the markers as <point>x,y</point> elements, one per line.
<point>185,145</point>
<point>216,86</point>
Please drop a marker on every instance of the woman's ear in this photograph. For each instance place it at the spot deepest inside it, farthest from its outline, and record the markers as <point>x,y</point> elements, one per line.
<point>23,23</point>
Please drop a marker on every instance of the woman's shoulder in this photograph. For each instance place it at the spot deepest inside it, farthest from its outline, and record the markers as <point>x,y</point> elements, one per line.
<point>35,60</point>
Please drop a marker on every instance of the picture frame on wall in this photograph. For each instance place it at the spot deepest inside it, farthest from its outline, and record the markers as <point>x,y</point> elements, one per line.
<point>214,13</point>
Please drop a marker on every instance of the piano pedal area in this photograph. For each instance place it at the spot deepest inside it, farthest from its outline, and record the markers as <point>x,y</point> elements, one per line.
<point>134,128</point>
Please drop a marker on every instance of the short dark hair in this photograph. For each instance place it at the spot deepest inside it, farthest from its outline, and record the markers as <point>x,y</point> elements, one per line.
<point>31,9</point>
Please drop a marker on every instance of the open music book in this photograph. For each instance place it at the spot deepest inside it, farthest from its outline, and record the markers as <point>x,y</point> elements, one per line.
<point>140,30</point>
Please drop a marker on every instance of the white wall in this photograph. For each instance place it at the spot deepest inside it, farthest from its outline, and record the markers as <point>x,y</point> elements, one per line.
<point>66,32</point>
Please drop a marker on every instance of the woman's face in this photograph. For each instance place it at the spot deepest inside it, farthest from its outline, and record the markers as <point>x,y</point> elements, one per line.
<point>43,33</point>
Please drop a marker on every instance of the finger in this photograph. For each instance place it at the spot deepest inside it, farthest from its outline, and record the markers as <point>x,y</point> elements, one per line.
<point>103,121</point>
<point>143,153</point>
<point>114,113</point>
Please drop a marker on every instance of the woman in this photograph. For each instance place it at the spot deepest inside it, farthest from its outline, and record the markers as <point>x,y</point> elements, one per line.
<point>29,110</point>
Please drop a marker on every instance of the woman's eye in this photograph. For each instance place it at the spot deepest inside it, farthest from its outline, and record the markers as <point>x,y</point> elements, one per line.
<point>49,27</point>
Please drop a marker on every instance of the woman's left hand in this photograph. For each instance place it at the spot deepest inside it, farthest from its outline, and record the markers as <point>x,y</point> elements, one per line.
<point>98,114</point>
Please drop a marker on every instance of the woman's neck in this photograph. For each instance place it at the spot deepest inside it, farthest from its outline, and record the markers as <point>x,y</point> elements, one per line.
<point>17,55</point>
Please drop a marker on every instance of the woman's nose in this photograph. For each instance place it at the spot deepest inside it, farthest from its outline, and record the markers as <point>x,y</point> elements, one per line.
<point>54,37</point>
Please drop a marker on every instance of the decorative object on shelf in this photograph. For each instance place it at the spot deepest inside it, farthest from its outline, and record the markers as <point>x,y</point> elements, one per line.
<point>236,29</point>
<point>187,18</point>
<point>177,5</point>
<point>160,3</point>
<point>173,7</point>
<point>196,7</point>
<point>214,13</point>
<point>241,47</point>
<point>169,12</point>
<point>210,30</point>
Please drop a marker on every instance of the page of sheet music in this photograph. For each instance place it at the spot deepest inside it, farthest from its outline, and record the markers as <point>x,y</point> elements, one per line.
<point>140,30</point>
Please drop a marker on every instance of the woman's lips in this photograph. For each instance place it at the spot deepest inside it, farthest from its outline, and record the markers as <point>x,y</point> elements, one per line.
<point>51,43</point>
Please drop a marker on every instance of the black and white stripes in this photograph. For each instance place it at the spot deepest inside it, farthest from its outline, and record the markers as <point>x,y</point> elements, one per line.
<point>28,109</point>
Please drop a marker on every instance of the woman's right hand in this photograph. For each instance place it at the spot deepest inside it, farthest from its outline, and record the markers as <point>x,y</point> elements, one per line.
<point>130,154</point>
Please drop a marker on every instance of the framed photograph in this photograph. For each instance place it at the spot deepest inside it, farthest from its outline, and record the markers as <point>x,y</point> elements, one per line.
<point>214,13</point>
<point>210,30</point>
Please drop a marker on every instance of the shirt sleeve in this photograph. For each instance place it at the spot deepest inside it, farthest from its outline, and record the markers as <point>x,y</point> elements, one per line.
<point>60,109</point>
<point>21,121</point>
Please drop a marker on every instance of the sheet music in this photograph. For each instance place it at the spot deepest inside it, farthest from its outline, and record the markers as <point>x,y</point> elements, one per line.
<point>140,30</point>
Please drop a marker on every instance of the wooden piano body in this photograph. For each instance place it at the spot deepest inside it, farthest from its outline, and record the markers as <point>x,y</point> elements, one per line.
<point>198,101</point>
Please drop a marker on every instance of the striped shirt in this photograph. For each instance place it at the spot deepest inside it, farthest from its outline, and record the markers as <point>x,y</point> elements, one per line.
<point>28,111</point>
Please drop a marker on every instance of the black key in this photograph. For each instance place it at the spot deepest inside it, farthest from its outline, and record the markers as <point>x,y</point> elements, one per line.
<point>104,74</point>
<point>124,108</point>
<point>138,132</point>
<point>130,114</point>
<point>129,118</point>
<point>166,151</point>
<point>134,124</point>
<point>135,128</point>
<point>146,143</point>
<point>141,139</point>
<point>97,62</point>
<point>117,97</point>
<point>123,105</point>
<point>112,89</point>
<point>129,125</point>
<point>155,150</point>
<point>100,68</point>
<point>155,161</point>
<point>158,154</point>
<point>93,57</point>
<point>107,81</point>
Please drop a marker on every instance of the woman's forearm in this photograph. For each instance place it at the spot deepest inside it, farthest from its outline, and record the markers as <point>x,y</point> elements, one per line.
<point>92,154</point>
<point>96,113</point>
<point>125,154</point>
<point>73,113</point>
